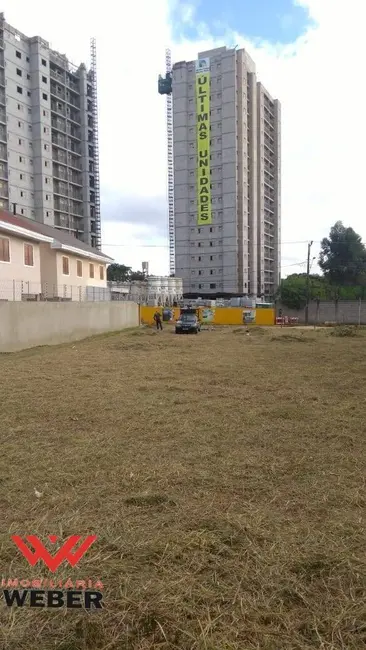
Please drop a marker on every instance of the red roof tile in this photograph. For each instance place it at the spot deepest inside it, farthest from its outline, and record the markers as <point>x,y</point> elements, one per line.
<point>42,229</point>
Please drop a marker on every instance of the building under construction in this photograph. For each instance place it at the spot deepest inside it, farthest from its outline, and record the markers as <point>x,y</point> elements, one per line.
<point>224,176</point>
<point>49,154</point>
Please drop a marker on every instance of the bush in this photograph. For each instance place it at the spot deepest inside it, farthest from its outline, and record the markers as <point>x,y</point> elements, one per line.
<point>344,330</point>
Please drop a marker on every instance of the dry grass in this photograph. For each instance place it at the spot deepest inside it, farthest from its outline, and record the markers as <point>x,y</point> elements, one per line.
<point>224,475</point>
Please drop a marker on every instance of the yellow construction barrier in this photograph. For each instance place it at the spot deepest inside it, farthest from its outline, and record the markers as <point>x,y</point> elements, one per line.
<point>213,316</point>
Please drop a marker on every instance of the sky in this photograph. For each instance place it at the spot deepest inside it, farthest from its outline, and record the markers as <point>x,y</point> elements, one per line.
<point>308,54</point>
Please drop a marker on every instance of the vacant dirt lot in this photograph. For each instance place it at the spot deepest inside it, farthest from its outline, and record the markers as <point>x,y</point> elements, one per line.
<point>223,474</point>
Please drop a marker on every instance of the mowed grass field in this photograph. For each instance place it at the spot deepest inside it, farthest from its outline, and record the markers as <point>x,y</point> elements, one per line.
<point>223,474</point>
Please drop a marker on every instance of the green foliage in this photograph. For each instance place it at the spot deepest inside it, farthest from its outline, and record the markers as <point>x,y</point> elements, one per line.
<point>343,257</point>
<point>122,273</point>
<point>292,291</point>
<point>343,260</point>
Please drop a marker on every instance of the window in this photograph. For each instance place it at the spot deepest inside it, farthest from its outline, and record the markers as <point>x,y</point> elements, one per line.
<point>22,211</point>
<point>27,59</point>
<point>22,194</point>
<point>28,76</point>
<point>4,250</point>
<point>44,96</point>
<point>91,270</point>
<point>19,107</point>
<point>28,255</point>
<point>21,177</point>
<point>44,62</point>
<point>29,127</point>
<point>79,268</point>
<point>44,79</point>
<point>45,114</point>
<point>19,90</point>
<point>46,147</point>
<point>46,180</point>
<point>47,197</point>
<point>101,272</point>
<point>212,285</point>
<point>20,124</point>
<point>19,72</point>
<point>19,141</point>
<point>28,93</point>
<point>211,243</point>
<point>46,163</point>
<point>20,158</point>
<point>65,266</point>
<point>18,54</point>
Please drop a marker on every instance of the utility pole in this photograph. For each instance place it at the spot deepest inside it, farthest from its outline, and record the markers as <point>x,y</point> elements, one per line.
<point>308,284</point>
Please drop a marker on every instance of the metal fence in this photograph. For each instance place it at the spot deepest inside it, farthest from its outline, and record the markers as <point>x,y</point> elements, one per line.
<point>20,290</point>
<point>24,290</point>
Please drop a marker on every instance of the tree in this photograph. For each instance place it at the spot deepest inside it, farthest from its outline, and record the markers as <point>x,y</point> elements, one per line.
<point>137,276</point>
<point>292,291</point>
<point>118,273</point>
<point>343,257</point>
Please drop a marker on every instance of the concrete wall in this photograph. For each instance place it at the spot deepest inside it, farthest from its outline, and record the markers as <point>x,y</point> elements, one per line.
<point>25,325</point>
<point>345,311</point>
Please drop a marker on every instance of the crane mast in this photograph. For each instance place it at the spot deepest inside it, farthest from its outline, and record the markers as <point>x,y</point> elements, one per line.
<point>165,88</point>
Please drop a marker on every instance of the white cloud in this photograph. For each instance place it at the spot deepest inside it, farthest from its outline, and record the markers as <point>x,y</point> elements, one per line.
<point>318,80</point>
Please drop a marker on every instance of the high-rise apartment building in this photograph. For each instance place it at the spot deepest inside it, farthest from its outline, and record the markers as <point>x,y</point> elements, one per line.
<point>49,159</point>
<point>227,176</point>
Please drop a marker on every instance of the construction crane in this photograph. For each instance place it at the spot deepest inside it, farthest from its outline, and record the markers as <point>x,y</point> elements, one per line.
<point>165,88</point>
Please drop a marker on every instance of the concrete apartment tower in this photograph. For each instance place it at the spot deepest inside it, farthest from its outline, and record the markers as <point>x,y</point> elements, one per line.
<point>49,159</point>
<point>227,176</point>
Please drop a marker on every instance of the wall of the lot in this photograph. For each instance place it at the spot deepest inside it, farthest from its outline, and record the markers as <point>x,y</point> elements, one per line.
<point>28,324</point>
<point>215,315</point>
<point>352,312</point>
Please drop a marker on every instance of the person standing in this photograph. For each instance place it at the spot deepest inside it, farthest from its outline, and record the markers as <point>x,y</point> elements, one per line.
<point>157,319</point>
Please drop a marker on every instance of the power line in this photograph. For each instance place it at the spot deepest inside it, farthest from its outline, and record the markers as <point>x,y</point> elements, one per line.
<point>167,245</point>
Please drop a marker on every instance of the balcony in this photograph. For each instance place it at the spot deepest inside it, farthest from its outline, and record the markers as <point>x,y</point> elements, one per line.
<point>60,188</point>
<point>3,152</point>
<point>74,116</point>
<point>74,133</point>
<point>74,178</point>
<point>57,75</point>
<point>3,134</point>
<point>2,97</point>
<point>73,194</point>
<point>72,161</point>
<point>61,204</point>
<point>59,172</point>
<point>72,100</point>
<point>59,156</point>
<point>73,86</point>
<point>58,140</point>
<point>58,107</point>
<point>57,91</point>
<point>58,124</point>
